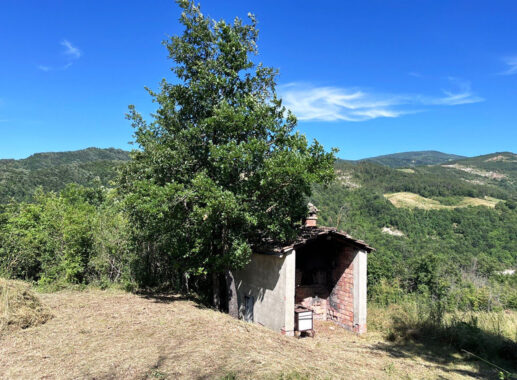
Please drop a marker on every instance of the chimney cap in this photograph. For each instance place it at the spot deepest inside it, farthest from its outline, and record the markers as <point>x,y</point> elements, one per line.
<point>311,220</point>
<point>313,210</point>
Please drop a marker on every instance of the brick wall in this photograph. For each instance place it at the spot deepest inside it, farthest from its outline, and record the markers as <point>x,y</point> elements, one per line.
<point>331,297</point>
<point>340,305</point>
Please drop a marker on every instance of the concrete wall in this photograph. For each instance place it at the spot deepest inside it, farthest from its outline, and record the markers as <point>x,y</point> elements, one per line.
<point>360,284</point>
<point>269,279</point>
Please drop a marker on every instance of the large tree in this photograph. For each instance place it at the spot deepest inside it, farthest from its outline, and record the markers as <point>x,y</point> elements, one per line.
<point>219,168</point>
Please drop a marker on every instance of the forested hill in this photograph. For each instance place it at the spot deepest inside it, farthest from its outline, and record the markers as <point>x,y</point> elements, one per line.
<point>452,220</point>
<point>409,159</point>
<point>53,171</point>
<point>460,216</point>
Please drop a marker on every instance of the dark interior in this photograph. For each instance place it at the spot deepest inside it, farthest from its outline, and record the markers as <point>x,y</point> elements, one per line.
<point>316,272</point>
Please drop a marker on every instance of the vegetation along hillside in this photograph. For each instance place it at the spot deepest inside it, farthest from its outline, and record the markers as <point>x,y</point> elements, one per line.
<point>53,171</point>
<point>419,158</point>
<point>437,229</point>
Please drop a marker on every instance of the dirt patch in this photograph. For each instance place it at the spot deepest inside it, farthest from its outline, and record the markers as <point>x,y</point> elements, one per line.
<point>392,231</point>
<point>110,334</point>
<point>501,157</point>
<point>475,171</point>
<point>346,179</point>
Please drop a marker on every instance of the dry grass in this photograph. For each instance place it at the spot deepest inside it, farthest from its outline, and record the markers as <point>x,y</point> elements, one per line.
<point>406,170</point>
<point>108,334</point>
<point>503,323</point>
<point>19,307</point>
<point>412,200</point>
<point>491,335</point>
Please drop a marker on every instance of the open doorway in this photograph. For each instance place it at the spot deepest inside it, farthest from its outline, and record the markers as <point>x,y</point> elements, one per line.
<point>320,278</point>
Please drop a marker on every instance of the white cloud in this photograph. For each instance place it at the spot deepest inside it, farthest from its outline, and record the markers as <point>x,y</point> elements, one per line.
<point>463,95</point>
<point>333,103</point>
<point>71,50</point>
<point>351,104</point>
<point>511,63</point>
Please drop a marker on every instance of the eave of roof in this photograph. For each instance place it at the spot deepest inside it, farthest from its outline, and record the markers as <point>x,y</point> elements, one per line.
<point>308,234</point>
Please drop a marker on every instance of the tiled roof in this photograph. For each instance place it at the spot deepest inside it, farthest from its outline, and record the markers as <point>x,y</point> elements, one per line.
<point>308,234</point>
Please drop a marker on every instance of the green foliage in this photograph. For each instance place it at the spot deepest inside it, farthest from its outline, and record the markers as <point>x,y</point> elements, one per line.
<point>220,168</point>
<point>53,171</point>
<point>77,237</point>
<point>450,255</point>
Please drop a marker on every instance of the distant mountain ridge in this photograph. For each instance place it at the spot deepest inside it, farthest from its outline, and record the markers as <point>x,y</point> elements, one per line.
<point>54,170</point>
<point>412,159</point>
<point>50,159</point>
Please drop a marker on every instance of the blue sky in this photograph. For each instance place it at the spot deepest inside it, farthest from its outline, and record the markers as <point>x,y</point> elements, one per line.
<point>368,77</point>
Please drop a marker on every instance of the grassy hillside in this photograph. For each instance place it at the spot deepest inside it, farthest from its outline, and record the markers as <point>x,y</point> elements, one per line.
<point>118,335</point>
<point>53,171</point>
<point>411,200</point>
<point>409,159</point>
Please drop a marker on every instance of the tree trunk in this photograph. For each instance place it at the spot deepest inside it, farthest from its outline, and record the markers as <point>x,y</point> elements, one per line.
<point>233,306</point>
<point>215,291</point>
<point>186,277</point>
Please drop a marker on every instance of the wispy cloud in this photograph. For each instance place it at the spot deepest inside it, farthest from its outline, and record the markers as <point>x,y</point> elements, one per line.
<point>415,74</point>
<point>352,104</point>
<point>72,53</point>
<point>334,103</point>
<point>511,63</point>
<point>70,49</point>
<point>463,95</point>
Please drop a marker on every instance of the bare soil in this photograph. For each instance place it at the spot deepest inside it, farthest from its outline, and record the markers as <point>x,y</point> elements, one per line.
<point>115,335</point>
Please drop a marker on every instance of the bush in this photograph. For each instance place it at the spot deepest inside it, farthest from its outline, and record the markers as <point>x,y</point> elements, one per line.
<point>77,237</point>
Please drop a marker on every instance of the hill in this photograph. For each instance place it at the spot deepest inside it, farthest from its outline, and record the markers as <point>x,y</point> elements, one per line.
<point>53,171</point>
<point>410,159</point>
<point>463,213</point>
<point>126,336</point>
<point>465,209</point>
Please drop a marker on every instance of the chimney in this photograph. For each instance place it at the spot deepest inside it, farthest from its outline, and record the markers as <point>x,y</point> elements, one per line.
<point>312,218</point>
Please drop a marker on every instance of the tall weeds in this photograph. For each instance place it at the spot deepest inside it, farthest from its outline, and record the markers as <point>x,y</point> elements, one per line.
<point>491,335</point>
